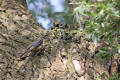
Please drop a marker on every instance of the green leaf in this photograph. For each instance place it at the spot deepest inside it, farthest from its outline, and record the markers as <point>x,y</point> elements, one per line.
<point>74,31</point>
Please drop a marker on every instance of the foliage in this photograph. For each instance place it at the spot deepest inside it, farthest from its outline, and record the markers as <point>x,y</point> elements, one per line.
<point>115,77</point>
<point>102,22</point>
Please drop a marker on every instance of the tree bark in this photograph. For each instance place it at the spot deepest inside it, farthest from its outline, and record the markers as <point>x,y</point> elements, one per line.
<point>64,56</point>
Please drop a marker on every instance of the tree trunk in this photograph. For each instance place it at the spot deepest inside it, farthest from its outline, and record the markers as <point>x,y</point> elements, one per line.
<point>64,56</point>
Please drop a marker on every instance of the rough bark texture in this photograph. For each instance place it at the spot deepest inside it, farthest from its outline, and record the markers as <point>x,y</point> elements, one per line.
<point>64,55</point>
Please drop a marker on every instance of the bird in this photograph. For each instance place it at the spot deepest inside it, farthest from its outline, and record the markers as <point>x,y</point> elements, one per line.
<point>33,47</point>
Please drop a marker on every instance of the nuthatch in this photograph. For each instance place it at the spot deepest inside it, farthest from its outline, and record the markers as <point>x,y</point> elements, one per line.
<point>34,46</point>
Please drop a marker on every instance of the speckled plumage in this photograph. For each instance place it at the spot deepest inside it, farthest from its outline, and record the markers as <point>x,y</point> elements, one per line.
<point>33,47</point>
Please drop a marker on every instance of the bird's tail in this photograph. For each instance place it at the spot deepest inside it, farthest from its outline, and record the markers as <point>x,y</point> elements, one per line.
<point>22,56</point>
